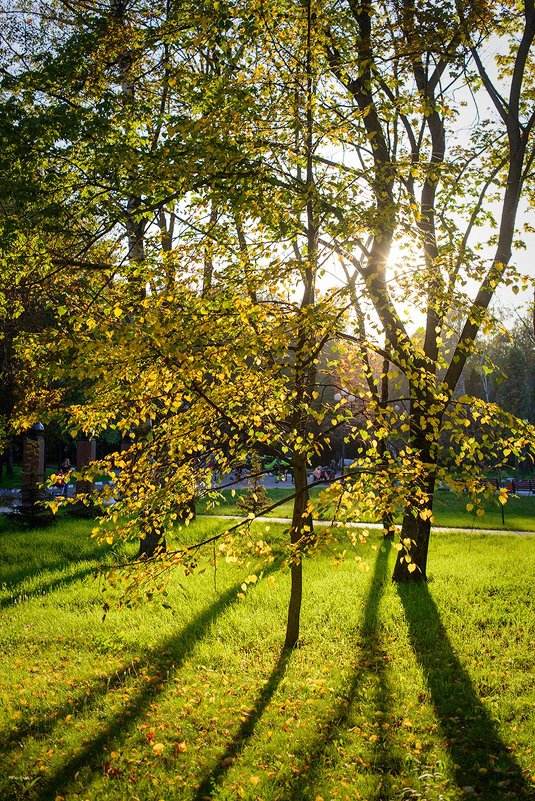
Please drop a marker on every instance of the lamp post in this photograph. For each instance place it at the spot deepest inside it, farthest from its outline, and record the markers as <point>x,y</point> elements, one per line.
<point>346,395</point>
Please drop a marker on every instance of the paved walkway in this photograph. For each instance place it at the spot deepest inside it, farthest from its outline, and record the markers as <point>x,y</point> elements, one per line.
<point>270,482</point>
<point>379,526</point>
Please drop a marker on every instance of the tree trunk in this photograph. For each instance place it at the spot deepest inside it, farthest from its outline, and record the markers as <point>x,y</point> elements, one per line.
<point>208,269</point>
<point>418,531</point>
<point>152,544</point>
<point>411,562</point>
<point>425,421</point>
<point>298,538</point>
<point>306,342</point>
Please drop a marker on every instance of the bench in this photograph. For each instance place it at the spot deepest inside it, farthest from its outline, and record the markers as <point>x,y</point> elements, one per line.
<point>526,486</point>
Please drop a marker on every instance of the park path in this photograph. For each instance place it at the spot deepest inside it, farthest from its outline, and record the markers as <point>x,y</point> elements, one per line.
<point>379,526</point>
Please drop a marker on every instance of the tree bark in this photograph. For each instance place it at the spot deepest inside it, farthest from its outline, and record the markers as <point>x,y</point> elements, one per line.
<point>10,472</point>
<point>425,426</point>
<point>152,544</point>
<point>305,365</point>
<point>298,538</point>
<point>416,525</point>
<point>418,531</point>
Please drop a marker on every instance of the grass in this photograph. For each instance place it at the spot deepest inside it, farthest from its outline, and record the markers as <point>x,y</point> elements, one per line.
<point>449,510</point>
<point>14,481</point>
<point>422,692</point>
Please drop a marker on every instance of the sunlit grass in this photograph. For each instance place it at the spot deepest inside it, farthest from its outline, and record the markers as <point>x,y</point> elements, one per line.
<point>422,693</point>
<point>449,510</point>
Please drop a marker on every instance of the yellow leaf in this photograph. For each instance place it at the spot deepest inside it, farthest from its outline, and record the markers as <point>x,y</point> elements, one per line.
<point>158,748</point>
<point>411,568</point>
<point>255,779</point>
<point>117,311</point>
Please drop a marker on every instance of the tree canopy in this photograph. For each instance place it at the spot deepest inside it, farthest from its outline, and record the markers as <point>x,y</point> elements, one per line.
<point>249,191</point>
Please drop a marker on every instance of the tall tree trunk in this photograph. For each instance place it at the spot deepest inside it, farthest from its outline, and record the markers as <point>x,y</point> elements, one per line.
<point>418,531</point>
<point>411,562</point>
<point>208,269</point>
<point>9,462</point>
<point>300,533</point>
<point>305,362</point>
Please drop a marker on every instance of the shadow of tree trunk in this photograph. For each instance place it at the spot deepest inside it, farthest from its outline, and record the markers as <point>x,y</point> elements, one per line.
<point>484,767</point>
<point>370,660</point>
<point>239,741</point>
<point>18,597</point>
<point>165,661</point>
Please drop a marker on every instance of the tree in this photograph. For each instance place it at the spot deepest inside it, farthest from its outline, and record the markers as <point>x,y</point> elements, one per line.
<point>503,372</point>
<point>228,185</point>
<point>377,64</point>
<point>255,499</point>
<point>261,366</point>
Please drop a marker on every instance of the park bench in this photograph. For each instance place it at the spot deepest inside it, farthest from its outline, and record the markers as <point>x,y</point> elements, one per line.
<point>525,486</point>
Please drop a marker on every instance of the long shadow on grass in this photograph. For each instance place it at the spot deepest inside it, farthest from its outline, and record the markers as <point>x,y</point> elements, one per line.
<point>164,662</point>
<point>44,588</point>
<point>371,661</point>
<point>482,761</point>
<point>245,731</point>
<point>14,579</point>
<point>39,726</point>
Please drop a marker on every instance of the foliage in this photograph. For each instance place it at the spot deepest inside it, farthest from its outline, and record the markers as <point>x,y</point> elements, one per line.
<point>503,372</point>
<point>214,165</point>
<point>449,509</point>
<point>255,499</point>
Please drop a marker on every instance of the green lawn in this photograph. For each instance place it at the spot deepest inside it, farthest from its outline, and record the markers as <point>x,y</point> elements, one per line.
<point>16,479</point>
<point>423,692</point>
<point>449,510</point>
